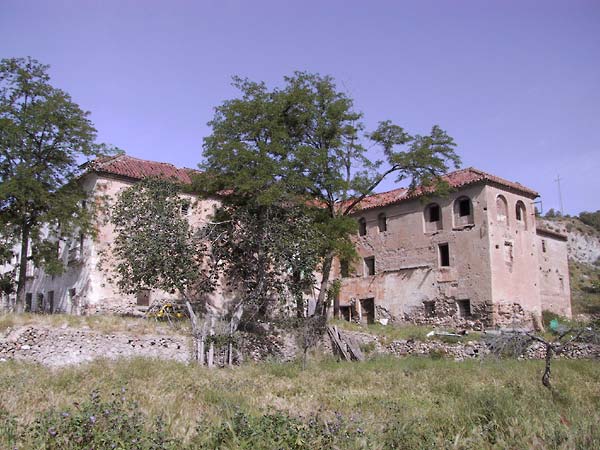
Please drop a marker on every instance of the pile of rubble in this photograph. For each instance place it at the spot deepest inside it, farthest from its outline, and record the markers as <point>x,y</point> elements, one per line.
<point>65,345</point>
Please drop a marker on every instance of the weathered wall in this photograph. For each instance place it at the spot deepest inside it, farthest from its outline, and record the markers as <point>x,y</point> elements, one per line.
<point>407,260</point>
<point>513,257</point>
<point>555,289</point>
<point>91,275</point>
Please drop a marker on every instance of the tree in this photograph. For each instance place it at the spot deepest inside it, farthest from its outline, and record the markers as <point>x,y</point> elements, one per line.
<point>591,218</point>
<point>304,144</point>
<point>43,137</point>
<point>157,248</point>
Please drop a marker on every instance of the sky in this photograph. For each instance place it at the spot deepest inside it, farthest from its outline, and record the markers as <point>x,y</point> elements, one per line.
<point>515,83</point>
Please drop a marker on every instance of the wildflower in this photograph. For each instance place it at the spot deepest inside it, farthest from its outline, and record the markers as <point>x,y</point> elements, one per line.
<point>93,419</point>
<point>65,414</point>
<point>52,431</point>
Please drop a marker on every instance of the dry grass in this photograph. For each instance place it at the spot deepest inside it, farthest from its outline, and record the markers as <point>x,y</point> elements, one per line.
<point>437,400</point>
<point>102,323</point>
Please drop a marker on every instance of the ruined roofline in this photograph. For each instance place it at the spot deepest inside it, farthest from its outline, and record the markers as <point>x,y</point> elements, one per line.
<point>540,231</point>
<point>457,179</point>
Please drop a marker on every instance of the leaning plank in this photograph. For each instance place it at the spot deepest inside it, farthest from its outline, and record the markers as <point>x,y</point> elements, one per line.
<point>354,349</point>
<point>341,346</point>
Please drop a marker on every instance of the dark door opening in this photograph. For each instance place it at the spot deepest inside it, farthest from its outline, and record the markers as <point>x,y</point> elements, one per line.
<point>367,310</point>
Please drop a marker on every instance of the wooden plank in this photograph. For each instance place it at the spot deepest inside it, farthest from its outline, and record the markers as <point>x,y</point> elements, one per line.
<point>333,333</point>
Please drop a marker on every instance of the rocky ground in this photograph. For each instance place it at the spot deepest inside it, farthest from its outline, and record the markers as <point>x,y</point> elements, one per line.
<point>60,346</point>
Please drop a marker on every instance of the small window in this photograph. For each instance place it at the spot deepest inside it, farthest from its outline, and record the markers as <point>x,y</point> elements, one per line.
<point>464,207</point>
<point>521,213</point>
<point>463,212</point>
<point>362,227</point>
<point>382,222</point>
<point>429,309</point>
<point>433,218</point>
<point>344,268</point>
<point>370,266</point>
<point>464,308</point>
<point>444,252</point>
<point>502,210</point>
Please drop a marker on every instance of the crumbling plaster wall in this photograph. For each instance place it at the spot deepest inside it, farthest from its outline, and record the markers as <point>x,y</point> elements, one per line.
<point>92,276</point>
<point>407,262</point>
<point>555,288</point>
<point>513,255</point>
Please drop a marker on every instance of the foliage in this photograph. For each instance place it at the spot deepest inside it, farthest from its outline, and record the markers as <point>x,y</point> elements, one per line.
<point>304,145</point>
<point>43,137</point>
<point>382,403</point>
<point>155,246</point>
<point>591,218</point>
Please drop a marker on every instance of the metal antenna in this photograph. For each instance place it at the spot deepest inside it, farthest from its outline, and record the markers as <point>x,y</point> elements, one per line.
<point>558,179</point>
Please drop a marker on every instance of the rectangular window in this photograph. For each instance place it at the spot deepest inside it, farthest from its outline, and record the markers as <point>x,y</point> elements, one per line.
<point>370,266</point>
<point>444,252</point>
<point>464,308</point>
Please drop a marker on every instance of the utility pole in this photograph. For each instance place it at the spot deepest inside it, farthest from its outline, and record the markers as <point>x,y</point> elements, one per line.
<point>558,179</point>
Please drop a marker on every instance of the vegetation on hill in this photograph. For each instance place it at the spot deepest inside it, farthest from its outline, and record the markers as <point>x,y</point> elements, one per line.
<point>382,403</point>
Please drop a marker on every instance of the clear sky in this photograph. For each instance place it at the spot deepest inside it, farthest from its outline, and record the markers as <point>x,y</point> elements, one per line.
<point>516,83</point>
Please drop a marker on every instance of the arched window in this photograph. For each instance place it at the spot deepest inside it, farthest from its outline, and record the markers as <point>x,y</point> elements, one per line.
<point>433,217</point>
<point>382,222</point>
<point>362,227</point>
<point>463,212</point>
<point>521,214</point>
<point>501,210</point>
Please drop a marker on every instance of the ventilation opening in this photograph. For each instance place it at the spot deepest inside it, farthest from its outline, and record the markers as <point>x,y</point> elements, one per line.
<point>444,252</point>
<point>464,308</point>
<point>370,266</point>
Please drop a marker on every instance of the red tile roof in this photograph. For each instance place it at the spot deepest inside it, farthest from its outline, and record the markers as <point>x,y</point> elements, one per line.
<point>457,179</point>
<point>136,169</point>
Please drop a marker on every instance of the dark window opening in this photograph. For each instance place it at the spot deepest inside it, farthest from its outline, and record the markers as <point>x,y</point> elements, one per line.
<point>50,303</point>
<point>464,308</point>
<point>346,313</point>
<point>362,227</point>
<point>444,251</point>
<point>382,222</point>
<point>434,213</point>
<point>429,309</point>
<point>367,310</point>
<point>464,207</point>
<point>28,301</point>
<point>370,266</point>
<point>345,268</point>
<point>143,297</point>
<point>518,213</point>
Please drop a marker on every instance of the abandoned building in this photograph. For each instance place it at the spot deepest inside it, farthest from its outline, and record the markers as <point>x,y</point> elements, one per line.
<point>475,254</point>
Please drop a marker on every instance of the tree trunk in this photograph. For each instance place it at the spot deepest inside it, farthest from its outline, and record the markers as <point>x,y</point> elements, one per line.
<point>547,373</point>
<point>23,261</point>
<point>233,326</point>
<point>321,307</point>
<point>299,296</point>
<point>210,360</point>
<point>197,335</point>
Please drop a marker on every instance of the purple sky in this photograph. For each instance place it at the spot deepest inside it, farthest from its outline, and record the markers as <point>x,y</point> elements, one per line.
<point>516,83</point>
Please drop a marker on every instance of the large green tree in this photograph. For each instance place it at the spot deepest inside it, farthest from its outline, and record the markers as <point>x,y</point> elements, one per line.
<point>304,144</point>
<point>44,138</point>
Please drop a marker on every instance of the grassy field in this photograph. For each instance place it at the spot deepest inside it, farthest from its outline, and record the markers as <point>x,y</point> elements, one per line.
<point>382,403</point>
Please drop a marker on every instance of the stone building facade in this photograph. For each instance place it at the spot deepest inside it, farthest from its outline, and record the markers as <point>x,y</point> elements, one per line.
<point>473,256</point>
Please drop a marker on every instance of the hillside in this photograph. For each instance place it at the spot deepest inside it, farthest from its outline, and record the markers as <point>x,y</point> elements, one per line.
<point>584,262</point>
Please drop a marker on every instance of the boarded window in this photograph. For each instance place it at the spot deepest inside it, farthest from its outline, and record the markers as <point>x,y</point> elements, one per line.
<point>370,266</point>
<point>382,222</point>
<point>362,227</point>
<point>464,308</point>
<point>444,255</point>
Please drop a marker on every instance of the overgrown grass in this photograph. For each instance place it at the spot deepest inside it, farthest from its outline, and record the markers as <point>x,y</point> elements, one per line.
<point>382,403</point>
<point>389,333</point>
<point>583,299</point>
<point>102,323</point>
